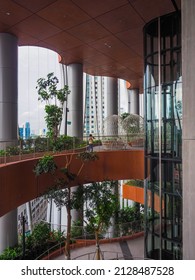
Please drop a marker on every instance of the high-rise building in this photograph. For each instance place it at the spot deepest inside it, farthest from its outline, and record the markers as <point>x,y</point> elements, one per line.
<point>94,104</point>
<point>21,132</point>
<point>27,130</point>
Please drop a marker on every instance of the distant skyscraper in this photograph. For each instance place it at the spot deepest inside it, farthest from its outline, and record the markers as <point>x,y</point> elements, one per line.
<point>94,111</point>
<point>27,130</point>
<point>21,132</point>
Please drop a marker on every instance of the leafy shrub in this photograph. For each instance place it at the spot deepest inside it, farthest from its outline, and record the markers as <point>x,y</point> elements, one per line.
<point>11,253</point>
<point>45,165</point>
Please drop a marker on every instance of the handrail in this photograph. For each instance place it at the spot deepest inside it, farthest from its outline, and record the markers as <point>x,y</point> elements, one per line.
<point>17,150</point>
<point>136,226</point>
<point>117,256</point>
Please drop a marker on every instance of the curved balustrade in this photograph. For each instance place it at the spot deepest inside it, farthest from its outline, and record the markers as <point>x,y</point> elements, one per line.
<point>18,183</point>
<point>11,151</point>
<point>119,233</point>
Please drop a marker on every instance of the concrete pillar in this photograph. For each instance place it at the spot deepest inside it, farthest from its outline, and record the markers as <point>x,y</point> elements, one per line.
<point>8,88</point>
<point>112,96</point>
<point>8,230</point>
<point>188,143</point>
<point>111,127</point>
<point>75,106</point>
<point>75,100</point>
<point>133,101</point>
<point>8,121</point>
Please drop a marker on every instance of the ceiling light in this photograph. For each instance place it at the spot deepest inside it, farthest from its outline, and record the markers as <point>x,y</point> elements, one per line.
<point>107,45</point>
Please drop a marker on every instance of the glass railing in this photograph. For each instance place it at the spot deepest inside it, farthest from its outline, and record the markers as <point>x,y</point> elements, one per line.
<point>11,151</point>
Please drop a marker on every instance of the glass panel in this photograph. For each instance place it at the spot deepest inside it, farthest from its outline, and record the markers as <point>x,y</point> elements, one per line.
<point>163,201</point>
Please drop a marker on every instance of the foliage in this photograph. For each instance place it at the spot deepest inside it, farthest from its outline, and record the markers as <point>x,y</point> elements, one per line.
<point>40,240</point>
<point>132,123</point>
<point>60,191</point>
<point>41,144</point>
<point>60,194</point>
<point>124,115</point>
<point>54,98</point>
<point>12,150</point>
<point>77,229</point>
<point>45,165</point>
<point>101,202</point>
<point>129,214</point>
<point>11,253</point>
<point>41,234</point>
<point>131,219</point>
<point>138,183</point>
<point>57,235</point>
<point>2,152</point>
<point>87,156</point>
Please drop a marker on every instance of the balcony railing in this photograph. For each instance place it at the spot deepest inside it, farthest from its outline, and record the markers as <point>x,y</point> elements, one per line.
<point>119,232</point>
<point>11,151</point>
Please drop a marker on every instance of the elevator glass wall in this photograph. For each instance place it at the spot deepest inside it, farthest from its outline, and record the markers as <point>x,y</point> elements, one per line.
<point>163,124</point>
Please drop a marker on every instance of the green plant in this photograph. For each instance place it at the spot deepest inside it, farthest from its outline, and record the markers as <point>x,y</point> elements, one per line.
<point>55,99</point>
<point>77,229</point>
<point>57,236</point>
<point>138,183</point>
<point>2,153</point>
<point>87,156</point>
<point>11,253</point>
<point>131,219</point>
<point>13,150</point>
<point>101,204</point>
<point>41,234</point>
<point>45,165</point>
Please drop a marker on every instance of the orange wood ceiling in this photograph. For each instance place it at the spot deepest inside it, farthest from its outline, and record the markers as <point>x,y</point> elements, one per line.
<point>104,35</point>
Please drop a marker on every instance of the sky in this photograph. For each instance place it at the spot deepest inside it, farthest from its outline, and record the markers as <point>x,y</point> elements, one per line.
<point>34,63</point>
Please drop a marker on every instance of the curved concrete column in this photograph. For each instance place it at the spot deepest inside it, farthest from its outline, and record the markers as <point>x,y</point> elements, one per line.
<point>188,141</point>
<point>8,121</point>
<point>112,96</point>
<point>134,101</point>
<point>112,105</point>
<point>8,230</point>
<point>75,100</point>
<point>8,87</point>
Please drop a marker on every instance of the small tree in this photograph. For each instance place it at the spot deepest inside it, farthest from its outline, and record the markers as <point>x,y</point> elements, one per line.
<point>60,191</point>
<point>54,98</point>
<point>101,204</point>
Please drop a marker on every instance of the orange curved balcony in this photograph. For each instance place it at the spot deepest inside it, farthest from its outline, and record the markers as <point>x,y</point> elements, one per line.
<point>18,183</point>
<point>137,194</point>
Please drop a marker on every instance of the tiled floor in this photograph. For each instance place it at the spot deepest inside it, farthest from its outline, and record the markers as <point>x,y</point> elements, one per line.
<point>134,249</point>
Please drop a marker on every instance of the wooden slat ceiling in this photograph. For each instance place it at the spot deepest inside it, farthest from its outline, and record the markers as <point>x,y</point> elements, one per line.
<point>104,35</point>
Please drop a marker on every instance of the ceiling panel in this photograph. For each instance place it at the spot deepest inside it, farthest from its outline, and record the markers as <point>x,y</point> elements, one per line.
<point>83,51</point>
<point>11,13</point>
<point>96,8</point>
<point>120,19</point>
<point>64,14</point>
<point>100,59</point>
<point>34,5</point>
<point>153,8</point>
<point>37,27</point>
<point>63,41</point>
<point>89,31</point>
<point>105,35</point>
